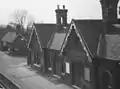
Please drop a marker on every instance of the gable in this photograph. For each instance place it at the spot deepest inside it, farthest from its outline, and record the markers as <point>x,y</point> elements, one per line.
<point>34,39</point>
<point>73,42</point>
<point>45,32</point>
<point>77,56</point>
<point>19,43</point>
<point>88,32</point>
<point>57,41</point>
<point>74,49</point>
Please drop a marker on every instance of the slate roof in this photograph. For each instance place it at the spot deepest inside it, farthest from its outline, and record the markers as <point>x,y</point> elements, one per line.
<point>45,32</point>
<point>113,28</point>
<point>58,33</point>
<point>9,37</point>
<point>3,31</point>
<point>90,31</point>
<point>62,28</point>
<point>18,43</point>
<point>58,41</point>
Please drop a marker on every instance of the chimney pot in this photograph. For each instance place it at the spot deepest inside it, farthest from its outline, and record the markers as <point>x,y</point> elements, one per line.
<point>63,6</point>
<point>58,7</point>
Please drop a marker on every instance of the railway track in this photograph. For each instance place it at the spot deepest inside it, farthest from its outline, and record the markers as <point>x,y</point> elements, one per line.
<point>2,86</point>
<point>6,83</point>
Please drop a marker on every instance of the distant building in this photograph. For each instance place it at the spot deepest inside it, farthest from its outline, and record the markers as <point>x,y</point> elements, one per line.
<point>14,42</point>
<point>9,36</point>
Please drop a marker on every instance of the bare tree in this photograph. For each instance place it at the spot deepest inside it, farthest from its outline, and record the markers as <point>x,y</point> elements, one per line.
<point>20,16</point>
<point>22,19</point>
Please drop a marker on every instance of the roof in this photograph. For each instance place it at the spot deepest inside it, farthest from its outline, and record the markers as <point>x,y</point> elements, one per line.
<point>58,41</point>
<point>3,31</point>
<point>44,32</point>
<point>113,28</point>
<point>9,37</point>
<point>19,43</point>
<point>90,31</point>
<point>62,28</point>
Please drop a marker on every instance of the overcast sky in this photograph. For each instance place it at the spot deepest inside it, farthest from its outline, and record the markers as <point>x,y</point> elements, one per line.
<point>44,10</point>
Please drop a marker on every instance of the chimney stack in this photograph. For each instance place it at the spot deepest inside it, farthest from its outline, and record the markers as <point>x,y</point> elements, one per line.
<point>61,16</point>
<point>109,10</point>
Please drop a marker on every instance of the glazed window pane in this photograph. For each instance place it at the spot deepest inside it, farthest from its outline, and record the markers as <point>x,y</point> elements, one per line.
<point>67,68</point>
<point>87,74</point>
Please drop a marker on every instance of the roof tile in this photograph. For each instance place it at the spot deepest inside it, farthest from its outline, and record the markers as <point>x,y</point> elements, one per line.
<point>9,37</point>
<point>90,31</point>
<point>58,41</point>
<point>45,32</point>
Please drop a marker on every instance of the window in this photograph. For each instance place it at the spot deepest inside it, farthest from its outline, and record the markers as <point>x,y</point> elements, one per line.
<point>67,68</point>
<point>22,39</point>
<point>87,74</point>
<point>61,20</point>
<point>4,43</point>
<point>107,78</point>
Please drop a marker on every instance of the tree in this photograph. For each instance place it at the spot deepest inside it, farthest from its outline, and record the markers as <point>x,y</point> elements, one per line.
<point>22,19</point>
<point>20,16</point>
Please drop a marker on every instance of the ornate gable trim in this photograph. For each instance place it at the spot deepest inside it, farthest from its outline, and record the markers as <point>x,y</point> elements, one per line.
<point>82,41</point>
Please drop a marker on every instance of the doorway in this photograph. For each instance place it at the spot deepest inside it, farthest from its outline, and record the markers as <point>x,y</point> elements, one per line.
<point>76,73</point>
<point>106,80</point>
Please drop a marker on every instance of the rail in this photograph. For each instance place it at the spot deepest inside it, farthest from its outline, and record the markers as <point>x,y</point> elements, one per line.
<point>8,84</point>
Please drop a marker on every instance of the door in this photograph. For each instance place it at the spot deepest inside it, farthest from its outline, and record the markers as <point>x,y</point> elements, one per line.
<point>32,58</point>
<point>29,58</point>
<point>106,80</point>
<point>76,73</point>
<point>38,58</point>
<point>51,61</point>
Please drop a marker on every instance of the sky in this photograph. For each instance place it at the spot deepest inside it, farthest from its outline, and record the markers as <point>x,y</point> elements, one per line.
<point>44,10</point>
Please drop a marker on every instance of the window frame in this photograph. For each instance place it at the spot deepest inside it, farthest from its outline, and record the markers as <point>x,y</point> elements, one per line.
<point>86,72</point>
